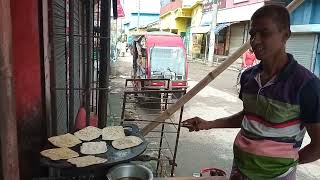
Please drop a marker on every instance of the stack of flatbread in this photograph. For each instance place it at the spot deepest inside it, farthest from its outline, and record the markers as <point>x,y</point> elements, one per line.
<point>93,147</point>
<point>126,142</point>
<point>66,140</point>
<point>86,161</point>
<point>59,153</point>
<point>112,133</point>
<point>89,133</point>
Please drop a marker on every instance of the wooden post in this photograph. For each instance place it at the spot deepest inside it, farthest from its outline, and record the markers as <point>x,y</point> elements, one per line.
<point>8,123</point>
<point>205,81</point>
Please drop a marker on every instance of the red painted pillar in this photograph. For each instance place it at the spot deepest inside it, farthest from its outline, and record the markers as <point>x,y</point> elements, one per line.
<point>27,84</point>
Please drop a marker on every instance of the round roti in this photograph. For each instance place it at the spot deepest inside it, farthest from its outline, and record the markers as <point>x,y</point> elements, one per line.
<point>93,147</point>
<point>59,153</point>
<point>112,133</point>
<point>86,161</point>
<point>126,142</point>
<point>88,133</point>
<point>66,140</point>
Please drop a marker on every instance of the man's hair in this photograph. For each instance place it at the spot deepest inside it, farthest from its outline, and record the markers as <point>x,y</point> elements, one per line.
<point>279,15</point>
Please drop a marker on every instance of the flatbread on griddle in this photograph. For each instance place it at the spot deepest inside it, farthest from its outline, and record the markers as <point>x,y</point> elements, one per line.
<point>88,133</point>
<point>126,142</point>
<point>86,161</point>
<point>113,133</point>
<point>59,153</point>
<point>93,147</point>
<point>66,140</point>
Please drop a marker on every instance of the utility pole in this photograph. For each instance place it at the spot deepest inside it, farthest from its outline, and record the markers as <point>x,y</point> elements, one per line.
<point>212,34</point>
<point>121,22</point>
<point>138,23</point>
<point>104,69</point>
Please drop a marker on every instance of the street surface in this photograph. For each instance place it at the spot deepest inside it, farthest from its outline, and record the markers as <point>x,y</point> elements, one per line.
<point>211,148</point>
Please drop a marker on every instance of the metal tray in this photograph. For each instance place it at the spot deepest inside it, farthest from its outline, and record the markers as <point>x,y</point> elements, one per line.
<point>114,156</point>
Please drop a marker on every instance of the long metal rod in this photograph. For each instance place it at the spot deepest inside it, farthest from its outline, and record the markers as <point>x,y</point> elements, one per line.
<point>79,60</point>
<point>71,65</point>
<point>80,35</point>
<point>138,20</point>
<point>159,151</point>
<point>177,142</point>
<point>108,58</point>
<point>98,55</point>
<point>8,123</point>
<point>93,54</point>
<point>104,62</point>
<point>66,56</point>
<point>164,79</point>
<point>161,139</point>
<point>206,80</point>
<point>168,144</point>
<point>114,8</point>
<point>144,120</point>
<point>83,47</point>
<point>167,132</point>
<point>87,106</point>
<point>123,107</point>
<point>153,91</point>
<point>79,89</point>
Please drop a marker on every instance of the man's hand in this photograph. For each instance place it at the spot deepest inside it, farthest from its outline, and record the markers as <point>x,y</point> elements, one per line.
<point>311,152</point>
<point>196,124</point>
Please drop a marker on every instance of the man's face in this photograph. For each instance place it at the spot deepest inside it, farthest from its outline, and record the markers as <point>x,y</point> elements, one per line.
<point>267,40</point>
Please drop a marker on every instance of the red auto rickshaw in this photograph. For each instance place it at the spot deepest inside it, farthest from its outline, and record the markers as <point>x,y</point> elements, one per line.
<point>158,56</point>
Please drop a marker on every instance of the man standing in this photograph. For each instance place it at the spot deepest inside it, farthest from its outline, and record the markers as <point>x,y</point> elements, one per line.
<point>281,101</point>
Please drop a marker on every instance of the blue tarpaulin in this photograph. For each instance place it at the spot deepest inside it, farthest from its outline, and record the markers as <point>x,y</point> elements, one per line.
<point>221,26</point>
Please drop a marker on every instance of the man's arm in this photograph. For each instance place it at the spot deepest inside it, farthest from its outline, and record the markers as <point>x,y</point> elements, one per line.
<point>233,121</point>
<point>310,114</point>
<point>311,152</point>
<point>196,123</point>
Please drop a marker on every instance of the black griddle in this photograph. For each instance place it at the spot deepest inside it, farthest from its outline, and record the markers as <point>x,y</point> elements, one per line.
<point>114,156</point>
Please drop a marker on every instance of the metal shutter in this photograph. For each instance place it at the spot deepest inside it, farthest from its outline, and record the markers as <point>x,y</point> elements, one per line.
<point>302,47</point>
<point>236,37</point>
<point>76,52</point>
<point>59,60</point>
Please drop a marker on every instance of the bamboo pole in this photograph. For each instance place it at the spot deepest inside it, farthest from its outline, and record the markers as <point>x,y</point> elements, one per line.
<point>205,81</point>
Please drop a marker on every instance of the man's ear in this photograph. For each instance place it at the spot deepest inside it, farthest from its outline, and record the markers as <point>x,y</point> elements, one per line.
<point>287,35</point>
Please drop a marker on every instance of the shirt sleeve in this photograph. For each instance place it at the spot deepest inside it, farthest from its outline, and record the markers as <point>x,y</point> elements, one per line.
<point>310,102</point>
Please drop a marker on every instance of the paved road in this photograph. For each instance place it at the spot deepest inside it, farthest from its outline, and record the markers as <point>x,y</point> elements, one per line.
<point>213,148</point>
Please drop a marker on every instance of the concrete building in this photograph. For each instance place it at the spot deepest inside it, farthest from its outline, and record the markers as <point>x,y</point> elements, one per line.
<point>139,20</point>
<point>233,21</point>
<point>304,41</point>
<point>139,13</point>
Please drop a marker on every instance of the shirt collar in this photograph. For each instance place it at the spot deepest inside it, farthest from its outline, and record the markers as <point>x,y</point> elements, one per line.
<point>284,73</point>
